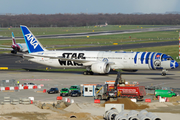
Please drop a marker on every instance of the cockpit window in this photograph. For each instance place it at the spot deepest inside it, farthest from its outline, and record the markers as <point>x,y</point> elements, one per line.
<point>166,57</point>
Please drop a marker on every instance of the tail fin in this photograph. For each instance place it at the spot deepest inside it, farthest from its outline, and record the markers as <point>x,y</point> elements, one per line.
<point>13,39</point>
<point>32,43</point>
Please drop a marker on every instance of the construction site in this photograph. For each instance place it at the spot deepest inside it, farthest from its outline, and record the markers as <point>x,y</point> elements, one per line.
<point>32,102</point>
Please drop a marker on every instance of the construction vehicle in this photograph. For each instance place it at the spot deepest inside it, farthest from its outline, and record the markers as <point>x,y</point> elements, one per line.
<point>137,92</point>
<point>103,91</point>
<point>119,89</point>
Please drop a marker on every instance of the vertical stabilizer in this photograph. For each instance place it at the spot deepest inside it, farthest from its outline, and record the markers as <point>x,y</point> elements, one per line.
<point>32,43</point>
<point>13,39</point>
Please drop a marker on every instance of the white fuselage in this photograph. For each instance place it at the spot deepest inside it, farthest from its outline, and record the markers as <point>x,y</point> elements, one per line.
<point>23,47</point>
<point>121,60</point>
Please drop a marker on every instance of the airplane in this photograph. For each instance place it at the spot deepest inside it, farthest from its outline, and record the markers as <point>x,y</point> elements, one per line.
<point>102,25</point>
<point>95,61</point>
<point>16,47</point>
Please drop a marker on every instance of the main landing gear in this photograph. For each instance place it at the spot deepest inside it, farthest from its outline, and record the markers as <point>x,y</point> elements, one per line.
<point>88,73</point>
<point>164,71</point>
<point>14,52</point>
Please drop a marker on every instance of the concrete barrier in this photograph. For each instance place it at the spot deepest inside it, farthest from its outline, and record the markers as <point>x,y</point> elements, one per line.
<point>112,114</point>
<point>15,101</point>
<point>7,100</point>
<point>153,116</point>
<point>133,115</point>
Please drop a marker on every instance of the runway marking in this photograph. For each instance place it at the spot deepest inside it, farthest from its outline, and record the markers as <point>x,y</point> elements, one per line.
<point>4,68</point>
<point>36,79</point>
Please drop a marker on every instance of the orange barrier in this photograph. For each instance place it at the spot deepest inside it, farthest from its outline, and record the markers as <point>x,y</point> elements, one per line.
<point>16,88</point>
<point>68,100</point>
<point>35,87</point>
<point>97,101</point>
<point>25,87</point>
<point>148,100</point>
<point>44,91</point>
<point>59,98</point>
<point>7,88</point>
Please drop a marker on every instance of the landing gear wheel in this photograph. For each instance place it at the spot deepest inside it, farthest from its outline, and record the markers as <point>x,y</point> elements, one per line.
<point>14,52</point>
<point>88,73</point>
<point>99,97</point>
<point>91,73</point>
<point>85,73</point>
<point>163,74</point>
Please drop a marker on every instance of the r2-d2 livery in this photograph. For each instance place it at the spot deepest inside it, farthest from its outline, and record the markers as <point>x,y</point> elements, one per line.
<point>150,60</point>
<point>95,61</point>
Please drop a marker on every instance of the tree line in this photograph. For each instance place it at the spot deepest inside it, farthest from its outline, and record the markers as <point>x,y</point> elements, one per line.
<point>66,20</point>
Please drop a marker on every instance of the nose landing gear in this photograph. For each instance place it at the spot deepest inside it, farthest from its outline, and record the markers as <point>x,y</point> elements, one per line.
<point>164,71</point>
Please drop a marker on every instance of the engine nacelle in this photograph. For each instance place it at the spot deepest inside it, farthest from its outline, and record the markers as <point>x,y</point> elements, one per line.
<point>101,67</point>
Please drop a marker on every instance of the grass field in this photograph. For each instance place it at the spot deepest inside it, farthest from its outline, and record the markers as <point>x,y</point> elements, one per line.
<point>108,39</point>
<point>68,30</point>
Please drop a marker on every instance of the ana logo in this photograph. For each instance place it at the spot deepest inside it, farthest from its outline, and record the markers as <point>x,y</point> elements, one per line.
<point>32,40</point>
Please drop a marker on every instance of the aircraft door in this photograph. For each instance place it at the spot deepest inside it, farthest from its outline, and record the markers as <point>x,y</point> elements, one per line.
<point>103,56</point>
<point>126,61</point>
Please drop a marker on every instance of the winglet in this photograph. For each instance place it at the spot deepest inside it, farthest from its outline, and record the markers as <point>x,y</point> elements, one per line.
<point>13,39</point>
<point>32,43</point>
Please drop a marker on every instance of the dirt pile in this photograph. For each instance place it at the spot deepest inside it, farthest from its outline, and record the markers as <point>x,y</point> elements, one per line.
<point>73,108</point>
<point>128,104</point>
<point>174,99</point>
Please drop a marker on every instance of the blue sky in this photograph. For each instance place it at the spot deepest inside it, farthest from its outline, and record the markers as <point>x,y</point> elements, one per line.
<point>88,6</point>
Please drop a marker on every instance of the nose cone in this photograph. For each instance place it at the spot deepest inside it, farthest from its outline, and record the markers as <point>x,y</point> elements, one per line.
<point>173,64</point>
<point>176,64</point>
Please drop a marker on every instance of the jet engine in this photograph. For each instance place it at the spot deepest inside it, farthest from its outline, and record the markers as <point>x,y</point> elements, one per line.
<point>101,67</point>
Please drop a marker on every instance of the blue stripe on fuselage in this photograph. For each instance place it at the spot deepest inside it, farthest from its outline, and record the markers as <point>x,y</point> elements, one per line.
<point>152,66</point>
<point>142,57</point>
<point>147,57</point>
<point>135,58</point>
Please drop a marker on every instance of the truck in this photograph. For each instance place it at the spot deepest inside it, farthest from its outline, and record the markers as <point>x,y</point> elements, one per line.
<point>164,93</point>
<point>119,89</point>
<point>103,91</point>
<point>137,92</point>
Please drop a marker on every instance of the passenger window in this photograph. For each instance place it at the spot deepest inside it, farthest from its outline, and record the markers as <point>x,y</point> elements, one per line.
<point>86,89</point>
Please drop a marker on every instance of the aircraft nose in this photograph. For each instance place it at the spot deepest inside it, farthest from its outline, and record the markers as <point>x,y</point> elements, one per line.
<point>176,64</point>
